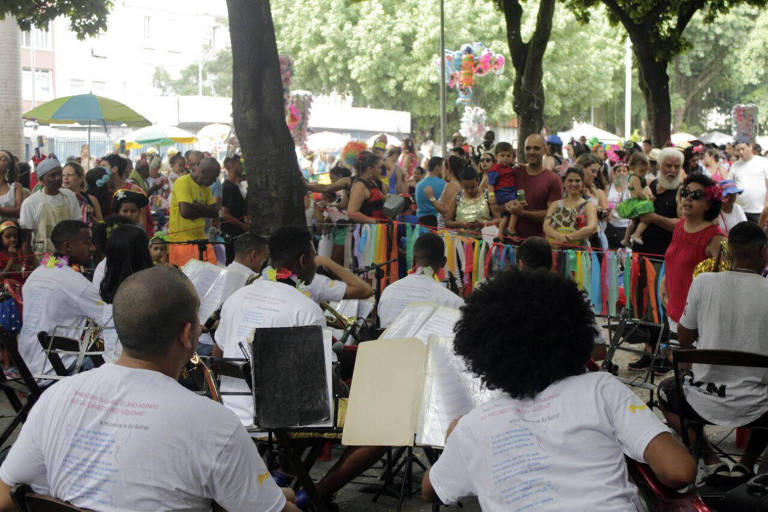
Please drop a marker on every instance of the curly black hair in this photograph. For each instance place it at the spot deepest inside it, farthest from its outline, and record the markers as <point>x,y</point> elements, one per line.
<point>705,181</point>
<point>523,331</point>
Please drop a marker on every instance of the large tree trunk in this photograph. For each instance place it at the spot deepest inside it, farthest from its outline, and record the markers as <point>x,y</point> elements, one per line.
<point>527,59</point>
<point>275,187</point>
<point>654,83</point>
<point>12,128</point>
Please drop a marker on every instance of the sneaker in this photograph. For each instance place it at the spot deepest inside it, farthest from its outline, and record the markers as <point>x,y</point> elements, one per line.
<point>641,364</point>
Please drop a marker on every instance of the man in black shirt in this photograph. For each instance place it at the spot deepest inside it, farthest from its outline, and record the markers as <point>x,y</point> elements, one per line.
<point>662,222</point>
<point>233,213</point>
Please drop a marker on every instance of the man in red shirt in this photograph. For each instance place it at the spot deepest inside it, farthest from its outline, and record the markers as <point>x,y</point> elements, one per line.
<point>116,164</point>
<point>542,187</point>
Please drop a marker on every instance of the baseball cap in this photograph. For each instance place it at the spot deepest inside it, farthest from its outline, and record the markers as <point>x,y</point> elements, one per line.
<point>728,187</point>
<point>554,139</point>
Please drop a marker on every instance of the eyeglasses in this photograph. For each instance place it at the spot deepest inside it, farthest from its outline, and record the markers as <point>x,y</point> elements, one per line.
<point>696,195</point>
<point>486,160</point>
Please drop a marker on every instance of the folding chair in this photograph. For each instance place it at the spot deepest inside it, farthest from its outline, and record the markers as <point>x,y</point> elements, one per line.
<point>22,392</point>
<point>711,357</point>
<point>28,501</point>
<point>54,345</point>
<point>659,497</point>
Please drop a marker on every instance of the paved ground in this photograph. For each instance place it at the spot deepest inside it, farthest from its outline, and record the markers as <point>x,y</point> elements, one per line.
<point>357,496</point>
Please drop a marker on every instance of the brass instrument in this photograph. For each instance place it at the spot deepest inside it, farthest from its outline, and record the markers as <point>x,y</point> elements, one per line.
<point>338,321</point>
<point>252,278</point>
<point>196,366</point>
<point>720,263</point>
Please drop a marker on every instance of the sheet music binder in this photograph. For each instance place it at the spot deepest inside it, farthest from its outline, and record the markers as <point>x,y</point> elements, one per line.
<point>291,378</point>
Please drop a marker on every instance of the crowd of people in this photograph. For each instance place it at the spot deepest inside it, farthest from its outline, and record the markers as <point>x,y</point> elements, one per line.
<point>129,419</point>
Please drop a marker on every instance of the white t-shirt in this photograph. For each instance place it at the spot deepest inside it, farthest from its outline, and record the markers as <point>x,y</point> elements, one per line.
<point>30,208</point>
<point>728,220</point>
<point>324,289</point>
<point>562,451</point>
<point>730,311</point>
<point>98,274</point>
<point>614,198</point>
<point>235,276</point>
<point>56,297</point>
<point>123,439</point>
<point>413,288</point>
<point>751,176</point>
<point>261,304</point>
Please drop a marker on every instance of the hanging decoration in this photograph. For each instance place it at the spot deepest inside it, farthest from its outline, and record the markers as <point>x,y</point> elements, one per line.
<point>461,67</point>
<point>298,116</point>
<point>745,121</point>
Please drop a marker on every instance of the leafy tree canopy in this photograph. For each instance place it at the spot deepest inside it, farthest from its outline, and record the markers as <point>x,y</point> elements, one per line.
<point>86,17</point>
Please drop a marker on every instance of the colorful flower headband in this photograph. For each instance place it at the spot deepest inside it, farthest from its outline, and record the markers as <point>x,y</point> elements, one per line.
<point>7,225</point>
<point>713,193</point>
<point>104,179</point>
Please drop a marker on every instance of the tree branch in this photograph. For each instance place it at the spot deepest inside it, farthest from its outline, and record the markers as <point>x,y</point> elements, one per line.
<point>685,12</point>
<point>513,15</point>
<point>622,15</point>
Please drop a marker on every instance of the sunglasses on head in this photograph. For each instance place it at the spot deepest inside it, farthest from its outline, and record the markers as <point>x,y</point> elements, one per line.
<point>696,195</point>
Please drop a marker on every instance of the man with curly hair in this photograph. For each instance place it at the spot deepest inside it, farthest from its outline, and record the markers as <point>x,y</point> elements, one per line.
<point>557,436</point>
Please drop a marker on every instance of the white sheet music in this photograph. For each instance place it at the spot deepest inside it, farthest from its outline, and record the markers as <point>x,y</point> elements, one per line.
<point>441,323</point>
<point>450,391</point>
<point>410,321</point>
<point>212,299</point>
<point>208,280</point>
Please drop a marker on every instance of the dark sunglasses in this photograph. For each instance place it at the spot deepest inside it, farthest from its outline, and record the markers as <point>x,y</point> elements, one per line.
<point>696,195</point>
<point>486,159</point>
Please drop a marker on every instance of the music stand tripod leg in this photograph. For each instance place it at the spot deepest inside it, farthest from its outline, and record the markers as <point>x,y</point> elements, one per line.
<point>284,438</point>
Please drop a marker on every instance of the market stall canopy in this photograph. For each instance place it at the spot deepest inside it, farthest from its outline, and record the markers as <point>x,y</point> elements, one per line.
<point>86,109</point>
<point>718,138</point>
<point>681,138</point>
<point>588,131</point>
<point>327,141</point>
<point>159,136</point>
<point>391,140</point>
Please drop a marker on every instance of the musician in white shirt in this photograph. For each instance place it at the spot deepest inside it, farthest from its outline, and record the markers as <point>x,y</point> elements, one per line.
<point>281,298</point>
<point>421,285</point>
<point>127,436</point>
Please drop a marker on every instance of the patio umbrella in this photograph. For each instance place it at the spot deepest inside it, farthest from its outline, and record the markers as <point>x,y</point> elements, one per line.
<point>160,136</point>
<point>325,141</point>
<point>86,109</point>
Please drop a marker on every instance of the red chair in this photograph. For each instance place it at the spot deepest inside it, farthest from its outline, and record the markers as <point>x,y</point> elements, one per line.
<point>657,496</point>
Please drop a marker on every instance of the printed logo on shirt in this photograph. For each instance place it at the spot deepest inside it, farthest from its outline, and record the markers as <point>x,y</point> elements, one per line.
<point>263,477</point>
<point>634,408</point>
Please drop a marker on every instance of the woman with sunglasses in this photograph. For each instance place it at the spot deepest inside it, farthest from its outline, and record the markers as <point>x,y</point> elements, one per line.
<point>697,236</point>
<point>487,159</point>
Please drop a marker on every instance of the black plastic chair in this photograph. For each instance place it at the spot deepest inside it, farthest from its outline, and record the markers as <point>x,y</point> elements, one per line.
<point>711,357</point>
<point>52,345</point>
<point>28,501</point>
<point>22,392</point>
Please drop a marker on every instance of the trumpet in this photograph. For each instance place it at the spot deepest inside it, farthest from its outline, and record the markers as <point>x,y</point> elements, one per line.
<point>338,321</point>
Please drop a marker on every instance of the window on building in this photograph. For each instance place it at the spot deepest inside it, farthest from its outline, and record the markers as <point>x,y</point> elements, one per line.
<point>147,27</point>
<point>98,87</point>
<point>77,86</point>
<point>43,84</point>
<point>40,38</point>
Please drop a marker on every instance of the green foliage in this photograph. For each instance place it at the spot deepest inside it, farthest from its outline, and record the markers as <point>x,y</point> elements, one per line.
<point>86,17</point>
<point>382,52</point>
<point>217,77</point>
<point>662,21</point>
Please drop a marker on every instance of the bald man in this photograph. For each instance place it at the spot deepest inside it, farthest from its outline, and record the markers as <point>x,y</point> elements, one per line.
<point>128,436</point>
<point>542,187</point>
<point>191,203</point>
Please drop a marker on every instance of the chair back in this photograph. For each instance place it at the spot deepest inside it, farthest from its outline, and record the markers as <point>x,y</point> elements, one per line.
<point>52,345</point>
<point>28,501</point>
<point>712,357</point>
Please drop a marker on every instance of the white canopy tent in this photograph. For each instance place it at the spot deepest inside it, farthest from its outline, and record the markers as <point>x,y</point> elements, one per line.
<point>715,137</point>
<point>588,131</point>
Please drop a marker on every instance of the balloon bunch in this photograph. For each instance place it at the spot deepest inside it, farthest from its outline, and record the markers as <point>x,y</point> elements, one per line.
<point>463,65</point>
<point>473,124</point>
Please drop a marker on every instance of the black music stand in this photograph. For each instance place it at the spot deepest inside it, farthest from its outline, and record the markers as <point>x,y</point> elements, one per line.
<point>290,391</point>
